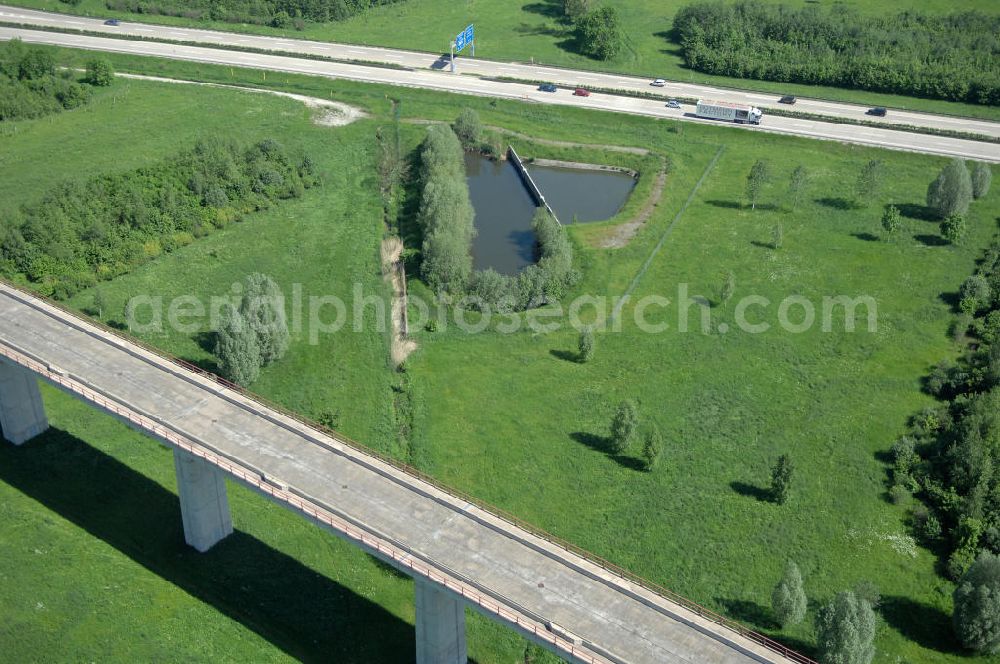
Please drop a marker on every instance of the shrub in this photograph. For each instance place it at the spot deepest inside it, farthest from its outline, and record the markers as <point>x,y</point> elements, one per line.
<point>652,448</point>
<point>899,494</point>
<point>892,220</point>
<point>954,228</point>
<point>586,344</point>
<point>788,600</point>
<point>781,479</point>
<point>469,128</point>
<point>599,33</point>
<point>100,72</point>
<point>237,348</point>
<point>623,426</point>
<point>263,308</point>
<point>981,178</point>
<point>951,192</point>
<point>845,631</point>
<point>977,605</point>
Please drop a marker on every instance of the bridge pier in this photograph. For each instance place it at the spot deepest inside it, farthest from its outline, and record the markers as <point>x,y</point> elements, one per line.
<point>440,625</point>
<point>204,504</point>
<point>22,413</point>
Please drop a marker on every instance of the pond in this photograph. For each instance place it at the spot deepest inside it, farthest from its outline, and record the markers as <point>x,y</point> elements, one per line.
<point>504,208</point>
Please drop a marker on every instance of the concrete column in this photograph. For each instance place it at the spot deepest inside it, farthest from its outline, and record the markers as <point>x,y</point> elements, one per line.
<point>440,626</point>
<point>22,413</point>
<point>204,505</point>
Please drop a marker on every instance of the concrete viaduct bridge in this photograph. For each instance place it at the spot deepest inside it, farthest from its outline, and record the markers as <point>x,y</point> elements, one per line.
<point>459,553</point>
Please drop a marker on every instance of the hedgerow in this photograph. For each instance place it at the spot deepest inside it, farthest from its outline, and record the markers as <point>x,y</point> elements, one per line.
<point>83,232</point>
<point>30,86</point>
<point>952,56</point>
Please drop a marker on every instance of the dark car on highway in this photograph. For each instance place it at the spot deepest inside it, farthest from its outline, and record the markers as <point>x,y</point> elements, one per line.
<point>547,87</point>
<point>879,111</point>
<point>112,21</point>
<point>787,99</point>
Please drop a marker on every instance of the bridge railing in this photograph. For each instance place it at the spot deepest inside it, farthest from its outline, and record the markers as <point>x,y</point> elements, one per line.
<point>497,512</point>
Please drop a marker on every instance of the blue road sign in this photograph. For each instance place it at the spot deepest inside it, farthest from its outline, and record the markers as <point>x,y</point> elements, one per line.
<point>464,38</point>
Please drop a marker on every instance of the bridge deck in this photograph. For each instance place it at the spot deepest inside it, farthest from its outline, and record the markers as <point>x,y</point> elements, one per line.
<point>526,574</point>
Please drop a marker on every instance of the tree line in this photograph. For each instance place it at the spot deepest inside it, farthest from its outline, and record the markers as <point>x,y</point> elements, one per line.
<point>952,56</point>
<point>82,232</point>
<point>276,13</point>
<point>32,87</point>
<point>446,216</point>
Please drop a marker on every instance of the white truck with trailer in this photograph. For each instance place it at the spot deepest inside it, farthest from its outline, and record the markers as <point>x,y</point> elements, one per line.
<point>726,110</point>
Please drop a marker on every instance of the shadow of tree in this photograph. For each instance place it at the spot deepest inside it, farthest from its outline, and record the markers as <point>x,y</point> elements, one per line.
<point>837,203</point>
<point>760,493</point>
<point>546,8</point>
<point>763,245</point>
<point>300,611</point>
<point>923,624</point>
<point>866,237</point>
<point>931,240</point>
<point>567,355</point>
<point>603,444</point>
<point>748,612</point>
<point>916,211</point>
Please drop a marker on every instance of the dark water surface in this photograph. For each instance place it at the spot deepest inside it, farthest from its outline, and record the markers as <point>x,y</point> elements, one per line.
<point>505,241</point>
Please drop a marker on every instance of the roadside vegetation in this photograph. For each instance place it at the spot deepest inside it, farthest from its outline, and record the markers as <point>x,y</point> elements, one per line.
<point>283,14</point>
<point>952,56</point>
<point>31,87</point>
<point>84,232</point>
<point>689,502</point>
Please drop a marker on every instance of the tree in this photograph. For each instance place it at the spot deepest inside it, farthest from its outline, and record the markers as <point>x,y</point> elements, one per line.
<point>777,236</point>
<point>263,309</point>
<point>469,128</point>
<point>100,302</point>
<point>981,178</point>
<point>623,426</point>
<point>586,344</point>
<point>797,186</point>
<point>954,228</point>
<point>892,220</point>
<point>652,447</point>
<point>976,293</point>
<point>100,72</point>
<point>237,348</point>
<point>845,631</point>
<point>869,182</point>
<point>599,33</point>
<point>756,179</point>
<point>728,286</point>
<point>788,600</point>
<point>951,192</point>
<point>575,9</point>
<point>977,605</point>
<point>781,479</point>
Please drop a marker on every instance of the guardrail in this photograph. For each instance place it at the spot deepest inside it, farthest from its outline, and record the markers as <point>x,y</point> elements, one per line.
<point>533,189</point>
<point>608,566</point>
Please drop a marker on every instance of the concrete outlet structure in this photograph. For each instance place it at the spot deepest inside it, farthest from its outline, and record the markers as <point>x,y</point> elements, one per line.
<point>204,504</point>
<point>440,625</point>
<point>22,413</point>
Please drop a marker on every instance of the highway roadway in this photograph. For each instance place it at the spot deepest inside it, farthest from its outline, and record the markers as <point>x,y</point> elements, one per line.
<point>441,80</point>
<point>500,569</point>
<point>481,67</point>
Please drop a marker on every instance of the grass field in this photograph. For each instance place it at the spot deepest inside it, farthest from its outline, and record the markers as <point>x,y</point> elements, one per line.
<point>727,404</point>
<point>522,31</point>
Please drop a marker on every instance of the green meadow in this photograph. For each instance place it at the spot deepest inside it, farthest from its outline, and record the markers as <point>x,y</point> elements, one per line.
<point>93,561</point>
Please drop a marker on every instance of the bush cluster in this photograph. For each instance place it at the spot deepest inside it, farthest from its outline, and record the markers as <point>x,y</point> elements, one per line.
<point>952,56</point>
<point>83,232</point>
<point>277,13</point>
<point>950,456</point>
<point>545,281</point>
<point>446,215</point>
<point>30,86</point>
